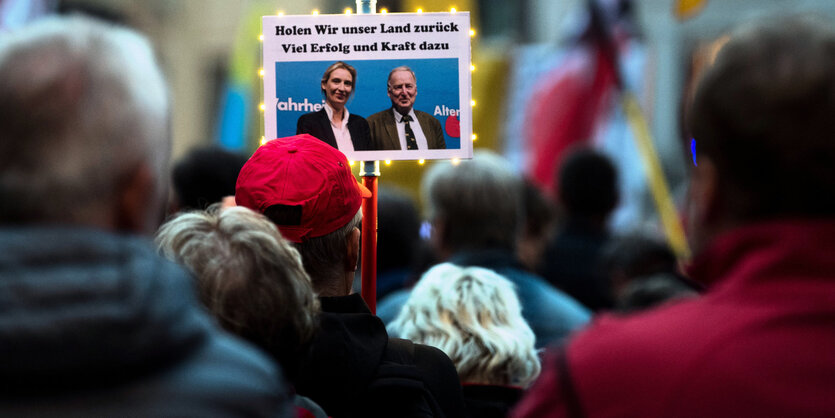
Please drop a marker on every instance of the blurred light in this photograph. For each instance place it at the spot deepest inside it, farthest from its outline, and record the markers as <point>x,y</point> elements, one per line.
<point>261,72</point>
<point>452,10</point>
<point>475,137</point>
<point>384,10</point>
<point>472,33</point>
<point>263,140</point>
<point>261,38</point>
<point>348,10</point>
<point>472,103</point>
<point>421,162</point>
<point>388,162</point>
<point>262,106</point>
<point>419,10</point>
<point>472,67</point>
<point>455,161</point>
<point>315,12</point>
<point>280,13</point>
<point>351,163</point>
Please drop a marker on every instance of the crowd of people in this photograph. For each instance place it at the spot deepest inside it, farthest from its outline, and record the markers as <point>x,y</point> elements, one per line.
<point>516,305</point>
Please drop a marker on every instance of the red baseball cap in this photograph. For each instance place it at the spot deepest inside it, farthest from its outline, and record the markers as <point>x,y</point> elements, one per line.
<point>308,181</point>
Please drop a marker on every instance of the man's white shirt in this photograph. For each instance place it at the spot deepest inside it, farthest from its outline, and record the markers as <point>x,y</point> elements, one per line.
<point>420,138</point>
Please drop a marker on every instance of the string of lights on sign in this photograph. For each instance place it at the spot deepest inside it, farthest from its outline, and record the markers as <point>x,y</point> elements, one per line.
<point>348,11</point>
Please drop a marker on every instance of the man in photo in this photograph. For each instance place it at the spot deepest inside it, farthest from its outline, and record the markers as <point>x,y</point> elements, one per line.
<point>395,128</point>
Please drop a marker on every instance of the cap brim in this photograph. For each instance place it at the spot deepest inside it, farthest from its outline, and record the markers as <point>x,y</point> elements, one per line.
<point>363,190</point>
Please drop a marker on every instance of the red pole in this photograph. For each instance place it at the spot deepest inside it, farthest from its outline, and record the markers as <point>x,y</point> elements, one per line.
<point>369,172</point>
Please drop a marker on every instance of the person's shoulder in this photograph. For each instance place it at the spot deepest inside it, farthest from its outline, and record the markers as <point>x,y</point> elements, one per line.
<point>226,374</point>
<point>379,116</point>
<point>427,116</point>
<point>354,118</point>
<point>647,337</point>
<point>313,115</point>
<point>434,368</point>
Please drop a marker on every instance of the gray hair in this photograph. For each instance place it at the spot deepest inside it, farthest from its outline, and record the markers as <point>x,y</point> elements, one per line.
<point>479,202</point>
<point>84,103</point>
<point>400,68</point>
<point>249,277</point>
<point>473,315</point>
<point>324,257</point>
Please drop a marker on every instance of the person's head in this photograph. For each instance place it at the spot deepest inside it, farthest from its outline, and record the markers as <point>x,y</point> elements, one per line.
<point>626,258</point>
<point>540,218</point>
<point>473,205</point>
<point>587,185</point>
<point>84,136</point>
<point>338,84</point>
<point>306,188</point>
<point>402,89</point>
<point>248,276</point>
<point>762,120</point>
<point>473,315</point>
<point>398,236</point>
<point>205,176</point>
<point>651,291</point>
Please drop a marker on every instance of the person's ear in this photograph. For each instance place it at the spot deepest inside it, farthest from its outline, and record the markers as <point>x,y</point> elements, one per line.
<point>353,246</point>
<point>137,201</point>
<point>703,203</point>
<point>438,238</point>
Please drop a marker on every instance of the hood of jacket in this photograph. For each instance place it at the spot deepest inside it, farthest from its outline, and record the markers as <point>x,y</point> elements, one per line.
<point>84,306</point>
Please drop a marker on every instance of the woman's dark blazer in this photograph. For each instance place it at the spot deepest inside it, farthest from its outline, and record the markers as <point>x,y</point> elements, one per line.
<point>318,125</point>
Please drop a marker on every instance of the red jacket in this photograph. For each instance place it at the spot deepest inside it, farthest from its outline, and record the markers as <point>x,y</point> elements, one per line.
<point>760,343</point>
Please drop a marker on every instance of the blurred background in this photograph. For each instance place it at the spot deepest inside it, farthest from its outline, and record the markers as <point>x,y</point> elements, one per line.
<point>548,75</point>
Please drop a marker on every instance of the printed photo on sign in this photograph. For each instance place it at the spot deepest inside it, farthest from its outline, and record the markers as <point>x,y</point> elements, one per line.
<point>377,87</point>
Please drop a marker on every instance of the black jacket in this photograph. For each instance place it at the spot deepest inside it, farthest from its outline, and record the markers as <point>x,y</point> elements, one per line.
<point>95,324</point>
<point>318,125</point>
<point>346,355</point>
<point>491,401</point>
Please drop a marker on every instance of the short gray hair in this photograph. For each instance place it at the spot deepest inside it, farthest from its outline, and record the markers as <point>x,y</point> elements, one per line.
<point>83,104</point>
<point>324,256</point>
<point>473,315</point>
<point>396,69</point>
<point>479,201</point>
<point>249,277</point>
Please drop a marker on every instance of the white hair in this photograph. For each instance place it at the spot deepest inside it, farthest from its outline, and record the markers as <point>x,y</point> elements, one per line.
<point>473,315</point>
<point>84,103</point>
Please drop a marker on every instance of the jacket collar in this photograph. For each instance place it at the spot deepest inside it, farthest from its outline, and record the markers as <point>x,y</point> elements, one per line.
<point>767,250</point>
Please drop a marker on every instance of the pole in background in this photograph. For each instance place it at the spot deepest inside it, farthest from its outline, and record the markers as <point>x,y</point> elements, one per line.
<point>369,171</point>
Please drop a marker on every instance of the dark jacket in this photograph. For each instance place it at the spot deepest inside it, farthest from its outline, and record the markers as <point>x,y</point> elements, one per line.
<point>96,324</point>
<point>757,344</point>
<point>384,130</point>
<point>490,401</point>
<point>344,359</point>
<point>318,125</point>
<point>571,263</point>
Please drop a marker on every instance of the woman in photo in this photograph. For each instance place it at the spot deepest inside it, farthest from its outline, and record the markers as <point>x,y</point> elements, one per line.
<point>333,123</point>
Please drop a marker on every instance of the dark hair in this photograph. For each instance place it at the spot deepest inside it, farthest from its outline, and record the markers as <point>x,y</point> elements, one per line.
<point>588,184</point>
<point>637,255</point>
<point>398,230</point>
<point>205,176</point>
<point>763,114</point>
<point>540,213</point>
